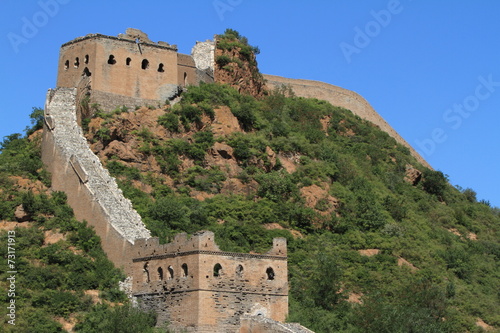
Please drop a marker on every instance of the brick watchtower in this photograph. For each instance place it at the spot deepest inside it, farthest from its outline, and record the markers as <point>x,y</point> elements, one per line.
<point>129,70</point>
<point>192,284</point>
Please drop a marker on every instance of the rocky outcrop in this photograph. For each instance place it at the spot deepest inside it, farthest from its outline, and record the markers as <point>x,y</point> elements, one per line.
<point>319,199</point>
<point>412,176</point>
<point>239,71</point>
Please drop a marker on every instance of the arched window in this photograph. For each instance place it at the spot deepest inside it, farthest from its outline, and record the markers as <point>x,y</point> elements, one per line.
<point>146,272</point>
<point>86,72</point>
<point>160,68</point>
<point>184,270</point>
<point>270,273</point>
<point>66,64</point>
<point>111,59</point>
<point>76,64</point>
<point>145,64</point>
<point>170,273</point>
<point>160,273</point>
<point>217,270</point>
<point>128,61</point>
<point>86,59</point>
<point>185,79</point>
<point>239,270</point>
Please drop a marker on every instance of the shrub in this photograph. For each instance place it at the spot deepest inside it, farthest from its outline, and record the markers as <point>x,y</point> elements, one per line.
<point>222,60</point>
<point>276,186</point>
<point>434,182</point>
<point>170,121</point>
<point>123,319</point>
<point>205,180</point>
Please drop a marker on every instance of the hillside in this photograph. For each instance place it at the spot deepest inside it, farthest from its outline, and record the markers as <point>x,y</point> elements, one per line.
<point>377,241</point>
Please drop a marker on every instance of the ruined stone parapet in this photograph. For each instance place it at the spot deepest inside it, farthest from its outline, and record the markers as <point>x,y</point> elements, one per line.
<point>260,324</point>
<point>203,54</point>
<point>66,153</point>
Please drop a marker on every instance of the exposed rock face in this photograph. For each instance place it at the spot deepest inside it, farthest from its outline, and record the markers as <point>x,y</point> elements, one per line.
<point>240,73</point>
<point>413,176</point>
<point>319,199</point>
<point>369,252</point>
<point>225,122</point>
<point>21,215</point>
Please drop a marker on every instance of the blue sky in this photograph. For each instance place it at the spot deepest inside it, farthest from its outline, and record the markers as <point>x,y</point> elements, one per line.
<point>430,68</point>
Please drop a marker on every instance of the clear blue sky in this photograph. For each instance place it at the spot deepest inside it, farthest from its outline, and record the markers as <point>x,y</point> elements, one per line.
<point>430,68</point>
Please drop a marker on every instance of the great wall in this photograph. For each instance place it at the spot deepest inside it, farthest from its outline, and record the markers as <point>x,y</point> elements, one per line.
<point>190,282</point>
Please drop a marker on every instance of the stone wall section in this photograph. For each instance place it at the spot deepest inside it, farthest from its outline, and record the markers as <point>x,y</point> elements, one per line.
<point>203,54</point>
<point>92,192</point>
<point>344,98</point>
<point>260,324</point>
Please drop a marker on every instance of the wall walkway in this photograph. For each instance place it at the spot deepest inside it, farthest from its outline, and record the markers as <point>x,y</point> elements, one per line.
<point>92,192</point>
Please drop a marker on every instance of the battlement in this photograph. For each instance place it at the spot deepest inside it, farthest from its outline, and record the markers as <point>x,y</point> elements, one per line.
<point>200,242</point>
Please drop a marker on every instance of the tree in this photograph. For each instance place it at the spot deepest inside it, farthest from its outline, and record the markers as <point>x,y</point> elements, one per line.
<point>435,182</point>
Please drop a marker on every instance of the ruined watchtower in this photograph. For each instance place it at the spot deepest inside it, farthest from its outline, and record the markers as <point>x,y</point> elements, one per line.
<point>194,285</point>
<point>127,70</point>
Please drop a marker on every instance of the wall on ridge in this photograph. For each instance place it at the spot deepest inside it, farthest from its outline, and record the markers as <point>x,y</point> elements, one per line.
<point>344,98</point>
<point>92,192</point>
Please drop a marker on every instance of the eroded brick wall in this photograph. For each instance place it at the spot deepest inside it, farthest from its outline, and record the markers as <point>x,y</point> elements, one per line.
<point>128,70</point>
<point>192,283</point>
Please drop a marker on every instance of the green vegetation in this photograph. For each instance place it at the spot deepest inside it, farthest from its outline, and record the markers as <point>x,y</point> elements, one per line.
<point>237,52</point>
<point>53,276</point>
<point>425,278</point>
<point>436,268</point>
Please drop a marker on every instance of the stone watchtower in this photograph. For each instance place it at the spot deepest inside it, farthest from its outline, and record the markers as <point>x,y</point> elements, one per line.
<point>194,285</point>
<point>128,70</point>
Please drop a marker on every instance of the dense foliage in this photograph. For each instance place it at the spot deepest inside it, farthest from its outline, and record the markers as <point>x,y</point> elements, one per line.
<point>53,278</point>
<point>431,274</point>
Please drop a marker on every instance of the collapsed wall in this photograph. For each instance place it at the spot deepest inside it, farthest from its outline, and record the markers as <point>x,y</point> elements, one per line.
<point>259,324</point>
<point>92,192</point>
<point>344,98</point>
